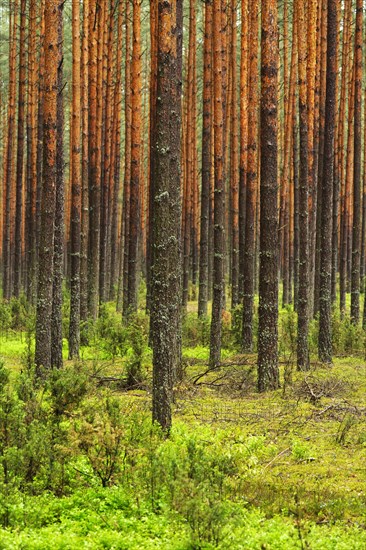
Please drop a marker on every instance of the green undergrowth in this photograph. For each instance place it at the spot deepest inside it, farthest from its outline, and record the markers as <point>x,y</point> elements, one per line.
<point>81,465</point>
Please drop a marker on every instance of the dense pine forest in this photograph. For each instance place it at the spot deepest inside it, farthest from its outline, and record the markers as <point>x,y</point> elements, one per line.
<point>183,274</point>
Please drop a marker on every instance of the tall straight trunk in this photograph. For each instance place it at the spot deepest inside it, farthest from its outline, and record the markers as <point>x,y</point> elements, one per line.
<point>268,373</point>
<point>312,174</point>
<point>303,286</point>
<point>75,229</point>
<point>189,227</point>
<point>192,151</point>
<point>336,180</point>
<point>116,157</point>
<point>106,160</point>
<point>346,83</point>
<point>320,112</point>
<point>166,272</point>
<point>363,224</point>
<point>187,196</point>
<point>40,126</point>
<point>346,199</point>
<point>285,221</point>
<point>219,193</point>
<point>356,233</point>
<point>84,230</point>
<point>127,175</point>
<point>31,227</point>
<point>31,177</point>
<point>20,152</point>
<point>244,60</point>
<point>234,164</point>
<point>251,183</point>
<point>8,167</point>
<point>58,258</point>
<point>325,302</point>
<point>94,189</point>
<point>136,127</point>
<point>152,128</point>
<point>206,162</point>
<point>46,239</point>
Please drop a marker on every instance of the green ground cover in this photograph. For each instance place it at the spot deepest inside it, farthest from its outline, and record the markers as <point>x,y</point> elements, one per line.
<point>81,466</point>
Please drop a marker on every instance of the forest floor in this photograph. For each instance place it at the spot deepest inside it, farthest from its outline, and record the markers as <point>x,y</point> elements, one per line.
<point>284,470</point>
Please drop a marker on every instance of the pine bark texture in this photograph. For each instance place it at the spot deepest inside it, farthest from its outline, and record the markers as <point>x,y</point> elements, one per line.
<point>206,163</point>
<point>325,301</point>
<point>166,271</point>
<point>268,373</point>
<point>303,285</point>
<point>75,233</point>
<point>251,180</point>
<point>219,193</point>
<point>46,239</point>
<point>356,233</point>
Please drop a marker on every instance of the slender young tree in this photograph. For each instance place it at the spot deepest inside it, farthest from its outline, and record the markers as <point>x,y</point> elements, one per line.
<point>268,373</point>
<point>166,271</point>
<point>46,239</point>
<point>325,301</point>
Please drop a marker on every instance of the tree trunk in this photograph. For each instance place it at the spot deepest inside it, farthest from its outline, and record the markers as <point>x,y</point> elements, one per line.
<point>303,286</point>
<point>356,232</point>
<point>84,231</point>
<point>268,373</point>
<point>94,183</point>
<point>30,221</point>
<point>234,165</point>
<point>8,167</point>
<point>20,152</point>
<point>166,272</point>
<point>46,239</point>
<point>244,60</point>
<point>75,229</point>
<point>136,126</point>
<point>252,176</point>
<point>219,193</point>
<point>325,301</point>
<point>206,163</point>
<point>58,259</point>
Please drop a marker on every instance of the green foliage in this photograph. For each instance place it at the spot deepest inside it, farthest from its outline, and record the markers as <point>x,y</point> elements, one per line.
<point>288,332</point>
<point>196,330</point>
<point>347,338</point>
<point>137,340</point>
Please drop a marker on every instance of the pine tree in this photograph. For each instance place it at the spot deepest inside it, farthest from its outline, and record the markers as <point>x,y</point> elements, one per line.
<point>325,302</point>
<point>75,230</point>
<point>46,238</point>
<point>166,271</point>
<point>268,372</point>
